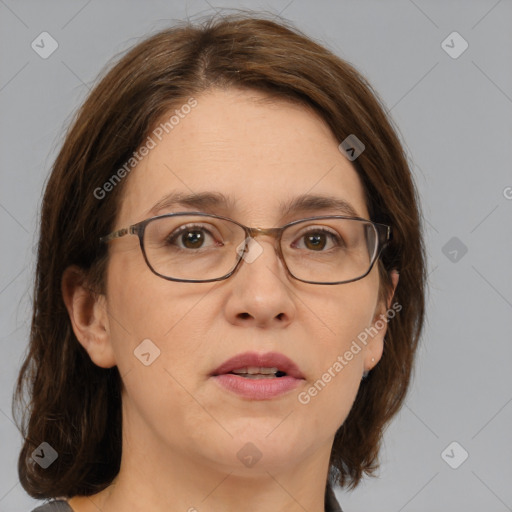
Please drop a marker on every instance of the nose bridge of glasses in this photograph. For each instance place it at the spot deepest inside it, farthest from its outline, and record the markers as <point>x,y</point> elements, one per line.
<point>272,232</point>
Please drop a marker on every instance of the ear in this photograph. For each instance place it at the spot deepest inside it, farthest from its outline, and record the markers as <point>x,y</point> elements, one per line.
<point>89,318</point>
<point>377,331</point>
<point>395,275</point>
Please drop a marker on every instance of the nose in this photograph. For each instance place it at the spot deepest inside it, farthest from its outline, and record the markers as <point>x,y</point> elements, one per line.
<point>261,289</point>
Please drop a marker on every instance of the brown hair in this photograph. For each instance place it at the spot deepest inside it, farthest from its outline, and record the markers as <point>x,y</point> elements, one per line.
<point>75,406</point>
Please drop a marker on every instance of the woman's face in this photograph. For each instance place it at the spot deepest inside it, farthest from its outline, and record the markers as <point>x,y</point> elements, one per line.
<point>260,154</point>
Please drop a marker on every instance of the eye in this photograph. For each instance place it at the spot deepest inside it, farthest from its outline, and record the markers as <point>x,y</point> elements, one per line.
<point>191,237</point>
<point>316,239</point>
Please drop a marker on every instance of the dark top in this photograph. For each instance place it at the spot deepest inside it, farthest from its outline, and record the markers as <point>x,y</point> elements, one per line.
<point>331,504</point>
<point>54,506</point>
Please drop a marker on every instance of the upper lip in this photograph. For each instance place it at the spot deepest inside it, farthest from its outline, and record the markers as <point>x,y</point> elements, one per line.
<point>267,360</point>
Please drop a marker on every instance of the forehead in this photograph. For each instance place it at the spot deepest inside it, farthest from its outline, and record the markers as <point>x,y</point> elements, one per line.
<point>259,154</point>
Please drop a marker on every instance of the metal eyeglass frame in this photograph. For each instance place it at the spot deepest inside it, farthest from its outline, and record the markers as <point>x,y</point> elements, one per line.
<point>383,238</point>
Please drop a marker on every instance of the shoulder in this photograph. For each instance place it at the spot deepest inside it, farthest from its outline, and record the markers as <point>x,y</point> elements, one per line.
<point>54,506</point>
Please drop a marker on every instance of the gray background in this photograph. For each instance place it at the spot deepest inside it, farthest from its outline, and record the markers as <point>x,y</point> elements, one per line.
<point>455,118</point>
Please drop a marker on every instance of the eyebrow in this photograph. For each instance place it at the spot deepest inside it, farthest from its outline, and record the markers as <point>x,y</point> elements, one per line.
<point>214,200</point>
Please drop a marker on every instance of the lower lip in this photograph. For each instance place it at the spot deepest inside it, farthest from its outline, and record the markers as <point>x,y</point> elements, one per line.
<point>257,389</point>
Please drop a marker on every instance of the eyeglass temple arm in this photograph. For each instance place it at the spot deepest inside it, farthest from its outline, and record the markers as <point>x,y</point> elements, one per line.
<point>116,234</point>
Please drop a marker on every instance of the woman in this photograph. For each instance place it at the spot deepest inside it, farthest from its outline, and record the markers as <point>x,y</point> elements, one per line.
<point>180,360</point>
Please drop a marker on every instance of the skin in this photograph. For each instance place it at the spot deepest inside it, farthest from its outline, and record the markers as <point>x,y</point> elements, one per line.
<point>182,432</point>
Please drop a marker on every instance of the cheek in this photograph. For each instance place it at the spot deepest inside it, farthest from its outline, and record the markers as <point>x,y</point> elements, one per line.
<point>152,327</point>
<point>338,361</point>
<point>147,316</point>
<point>342,313</point>
<point>158,391</point>
<point>327,397</point>
<point>328,401</point>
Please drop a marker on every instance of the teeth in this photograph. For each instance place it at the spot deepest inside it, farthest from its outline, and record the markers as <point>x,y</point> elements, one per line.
<point>254,370</point>
<point>257,376</point>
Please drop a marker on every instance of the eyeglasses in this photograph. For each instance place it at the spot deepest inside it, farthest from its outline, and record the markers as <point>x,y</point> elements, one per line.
<point>197,247</point>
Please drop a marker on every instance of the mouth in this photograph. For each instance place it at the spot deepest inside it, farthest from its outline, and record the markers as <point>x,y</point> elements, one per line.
<point>253,365</point>
<point>256,376</point>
